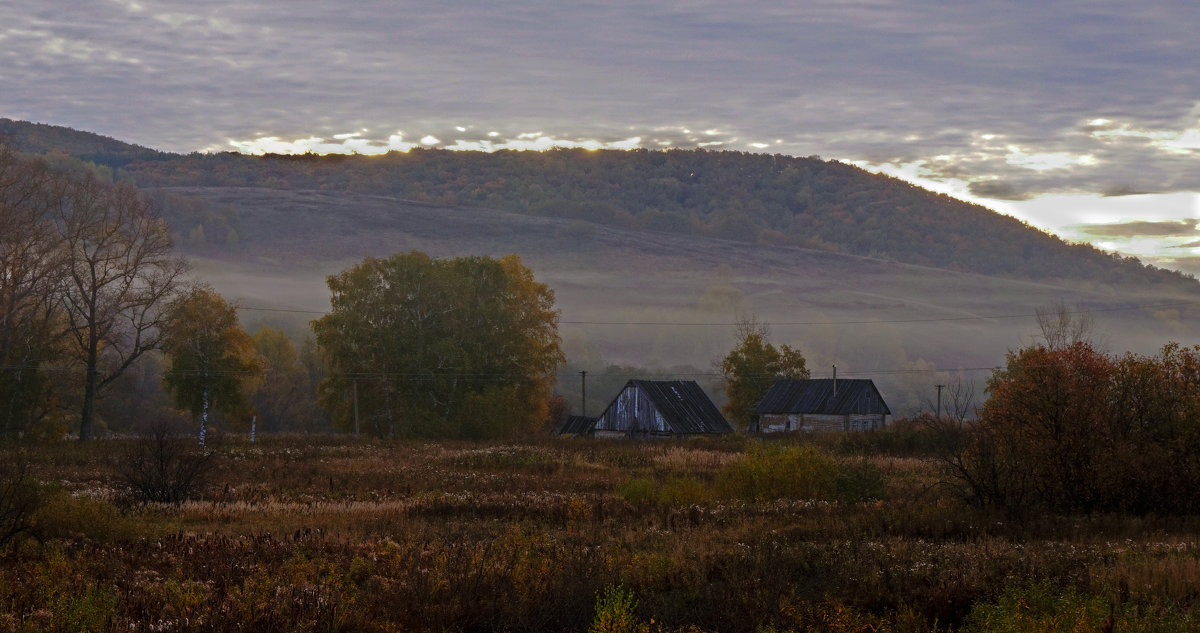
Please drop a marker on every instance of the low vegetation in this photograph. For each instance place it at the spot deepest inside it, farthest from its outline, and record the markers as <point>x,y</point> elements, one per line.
<point>820,533</point>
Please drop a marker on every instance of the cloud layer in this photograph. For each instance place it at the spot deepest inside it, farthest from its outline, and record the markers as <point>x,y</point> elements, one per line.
<point>996,101</point>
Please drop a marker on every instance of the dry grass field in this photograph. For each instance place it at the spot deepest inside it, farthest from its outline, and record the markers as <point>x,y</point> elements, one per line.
<point>831,533</point>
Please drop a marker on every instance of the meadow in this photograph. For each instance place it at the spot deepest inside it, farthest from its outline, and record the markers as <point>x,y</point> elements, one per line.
<point>814,533</point>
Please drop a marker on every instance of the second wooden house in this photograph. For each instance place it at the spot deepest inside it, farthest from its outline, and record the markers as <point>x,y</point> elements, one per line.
<point>821,404</point>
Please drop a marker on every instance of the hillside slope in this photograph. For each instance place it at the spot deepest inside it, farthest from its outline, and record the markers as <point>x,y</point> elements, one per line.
<point>40,138</point>
<point>766,200</point>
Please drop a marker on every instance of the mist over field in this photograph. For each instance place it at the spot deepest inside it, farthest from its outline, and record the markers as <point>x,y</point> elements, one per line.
<point>669,303</point>
<point>655,256</point>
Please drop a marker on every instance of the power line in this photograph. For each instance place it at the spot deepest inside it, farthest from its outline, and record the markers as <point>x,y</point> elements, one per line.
<point>508,375</point>
<point>993,317</point>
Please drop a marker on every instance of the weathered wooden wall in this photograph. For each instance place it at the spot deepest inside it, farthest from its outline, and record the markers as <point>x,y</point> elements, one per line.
<point>631,412</point>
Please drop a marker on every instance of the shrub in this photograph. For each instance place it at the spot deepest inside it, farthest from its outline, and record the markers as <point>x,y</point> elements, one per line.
<point>20,498</point>
<point>165,465</point>
<point>906,437</point>
<point>614,612</point>
<point>1038,608</point>
<point>677,490</point>
<point>64,516</point>
<point>682,490</point>
<point>1071,429</point>
<point>861,481</point>
<point>638,491</point>
<point>777,472</point>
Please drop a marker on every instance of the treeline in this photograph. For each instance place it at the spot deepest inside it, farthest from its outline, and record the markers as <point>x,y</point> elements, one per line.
<point>99,323</point>
<point>95,302</point>
<point>767,200</point>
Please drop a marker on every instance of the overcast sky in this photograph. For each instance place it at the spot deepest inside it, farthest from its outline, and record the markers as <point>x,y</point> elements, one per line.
<point>1082,117</point>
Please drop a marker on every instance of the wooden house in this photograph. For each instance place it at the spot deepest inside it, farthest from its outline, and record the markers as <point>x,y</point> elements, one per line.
<point>661,408</point>
<point>821,404</point>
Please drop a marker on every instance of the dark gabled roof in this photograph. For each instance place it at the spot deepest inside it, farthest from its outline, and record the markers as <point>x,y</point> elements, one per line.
<point>577,425</point>
<point>816,396</point>
<point>684,406</point>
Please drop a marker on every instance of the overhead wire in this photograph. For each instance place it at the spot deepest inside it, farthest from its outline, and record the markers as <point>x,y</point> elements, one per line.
<point>993,317</point>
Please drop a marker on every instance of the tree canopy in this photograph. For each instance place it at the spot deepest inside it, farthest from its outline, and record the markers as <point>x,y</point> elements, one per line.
<point>752,367</point>
<point>460,347</point>
<point>1071,428</point>
<point>213,362</point>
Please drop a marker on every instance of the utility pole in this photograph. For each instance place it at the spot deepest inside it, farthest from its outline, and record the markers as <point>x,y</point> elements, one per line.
<point>583,386</point>
<point>939,401</point>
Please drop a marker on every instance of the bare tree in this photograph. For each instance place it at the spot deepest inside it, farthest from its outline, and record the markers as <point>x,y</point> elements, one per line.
<point>164,465</point>
<point>955,401</point>
<point>121,273</point>
<point>1060,326</point>
<point>20,497</point>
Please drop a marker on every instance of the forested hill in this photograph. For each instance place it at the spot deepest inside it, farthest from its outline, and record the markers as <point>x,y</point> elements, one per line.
<point>764,200</point>
<point>39,138</point>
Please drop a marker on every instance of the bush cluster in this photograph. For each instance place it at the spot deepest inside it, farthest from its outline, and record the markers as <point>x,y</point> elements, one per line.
<point>1071,429</point>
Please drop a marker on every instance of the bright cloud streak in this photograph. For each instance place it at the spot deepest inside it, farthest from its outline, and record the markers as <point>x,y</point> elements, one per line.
<point>1045,161</point>
<point>354,144</point>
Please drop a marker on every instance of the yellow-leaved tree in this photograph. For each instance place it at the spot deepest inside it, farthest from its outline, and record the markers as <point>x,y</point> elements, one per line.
<point>213,363</point>
<point>752,367</point>
<point>455,347</point>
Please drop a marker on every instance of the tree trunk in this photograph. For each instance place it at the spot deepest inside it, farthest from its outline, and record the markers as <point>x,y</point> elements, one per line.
<point>87,423</point>
<point>203,416</point>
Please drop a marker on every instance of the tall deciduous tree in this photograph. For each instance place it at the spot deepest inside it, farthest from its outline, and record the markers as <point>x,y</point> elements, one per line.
<point>31,267</point>
<point>753,366</point>
<point>121,274</point>
<point>213,363</point>
<point>450,347</point>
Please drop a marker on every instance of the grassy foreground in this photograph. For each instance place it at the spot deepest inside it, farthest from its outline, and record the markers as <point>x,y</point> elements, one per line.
<point>326,534</point>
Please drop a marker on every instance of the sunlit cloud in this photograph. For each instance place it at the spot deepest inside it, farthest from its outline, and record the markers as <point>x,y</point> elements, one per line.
<point>354,143</point>
<point>130,5</point>
<point>1141,228</point>
<point>1044,161</point>
<point>1182,141</point>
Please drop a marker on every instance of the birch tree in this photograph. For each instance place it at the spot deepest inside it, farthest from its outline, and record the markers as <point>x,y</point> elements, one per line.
<point>212,360</point>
